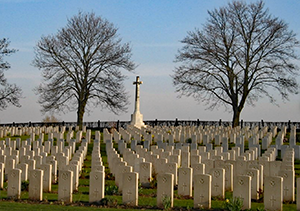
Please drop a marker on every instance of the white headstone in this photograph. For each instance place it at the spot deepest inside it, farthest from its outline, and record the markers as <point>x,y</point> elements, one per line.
<point>47,178</point>
<point>24,168</point>
<point>36,185</point>
<point>185,181</point>
<point>165,189</point>
<point>14,184</point>
<point>254,174</point>
<point>273,193</point>
<point>97,184</point>
<point>145,174</point>
<point>242,190</point>
<point>130,189</point>
<point>218,182</point>
<point>1,175</point>
<point>298,195</point>
<point>202,191</point>
<point>288,185</point>
<point>65,186</point>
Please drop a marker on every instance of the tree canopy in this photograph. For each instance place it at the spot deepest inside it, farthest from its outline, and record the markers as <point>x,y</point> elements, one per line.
<point>82,65</point>
<point>239,54</point>
<point>10,94</point>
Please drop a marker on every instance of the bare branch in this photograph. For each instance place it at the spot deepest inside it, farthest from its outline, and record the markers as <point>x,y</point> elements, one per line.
<point>10,94</point>
<point>239,54</point>
<point>81,66</point>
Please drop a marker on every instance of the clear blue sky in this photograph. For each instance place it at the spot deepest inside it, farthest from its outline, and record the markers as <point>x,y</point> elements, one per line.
<point>154,29</point>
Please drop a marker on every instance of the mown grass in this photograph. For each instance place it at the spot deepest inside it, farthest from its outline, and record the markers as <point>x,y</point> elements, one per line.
<point>19,206</point>
<point>147,197</point>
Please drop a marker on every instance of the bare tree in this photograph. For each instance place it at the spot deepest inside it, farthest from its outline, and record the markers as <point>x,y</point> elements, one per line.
<point>10,94</point>
<point>81,65</point>
<point>50,119</point>
<point>241,52</point>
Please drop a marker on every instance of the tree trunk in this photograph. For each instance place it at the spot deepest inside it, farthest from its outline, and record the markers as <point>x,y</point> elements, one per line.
<point>236,117</point>
<point>80,113</point>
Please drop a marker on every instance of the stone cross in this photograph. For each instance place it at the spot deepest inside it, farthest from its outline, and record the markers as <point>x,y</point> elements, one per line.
<point>216,186</point>
<point>201,197</point>
<point>65,192</point>
<point>129,194</point>
<point>96,192</point>
<point>137,117</point>
<point>285,190</point>
<point>184,186</point>
<point>13,189</point>
<point>137,84</point>
<point>272,200</point>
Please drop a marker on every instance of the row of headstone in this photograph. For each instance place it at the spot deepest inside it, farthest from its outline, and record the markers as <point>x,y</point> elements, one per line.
<point>25,130</point>
<point>97,174</point>
<point>137,159</point>
<point>204,135</point>
<point>222,136</point>
<point>40,168</point>
<point>245,186</point>
<point>19,131</point>
<point>252,175</point>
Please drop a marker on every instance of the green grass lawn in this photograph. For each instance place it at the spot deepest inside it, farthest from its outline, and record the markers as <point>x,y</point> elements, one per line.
<point>147,197</point>
<point>19,206</point>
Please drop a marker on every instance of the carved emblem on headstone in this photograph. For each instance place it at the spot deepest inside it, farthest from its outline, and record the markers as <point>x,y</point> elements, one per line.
<point>201,181</point>
<point>144,167</point>
<point>216,174</point>
<point>250,173</point>
<point>64,176</point>
<point>164,179</point>
<point>34,175</point>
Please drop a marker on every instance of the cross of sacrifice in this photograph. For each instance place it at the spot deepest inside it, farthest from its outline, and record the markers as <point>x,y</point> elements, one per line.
<point>137,84</point>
